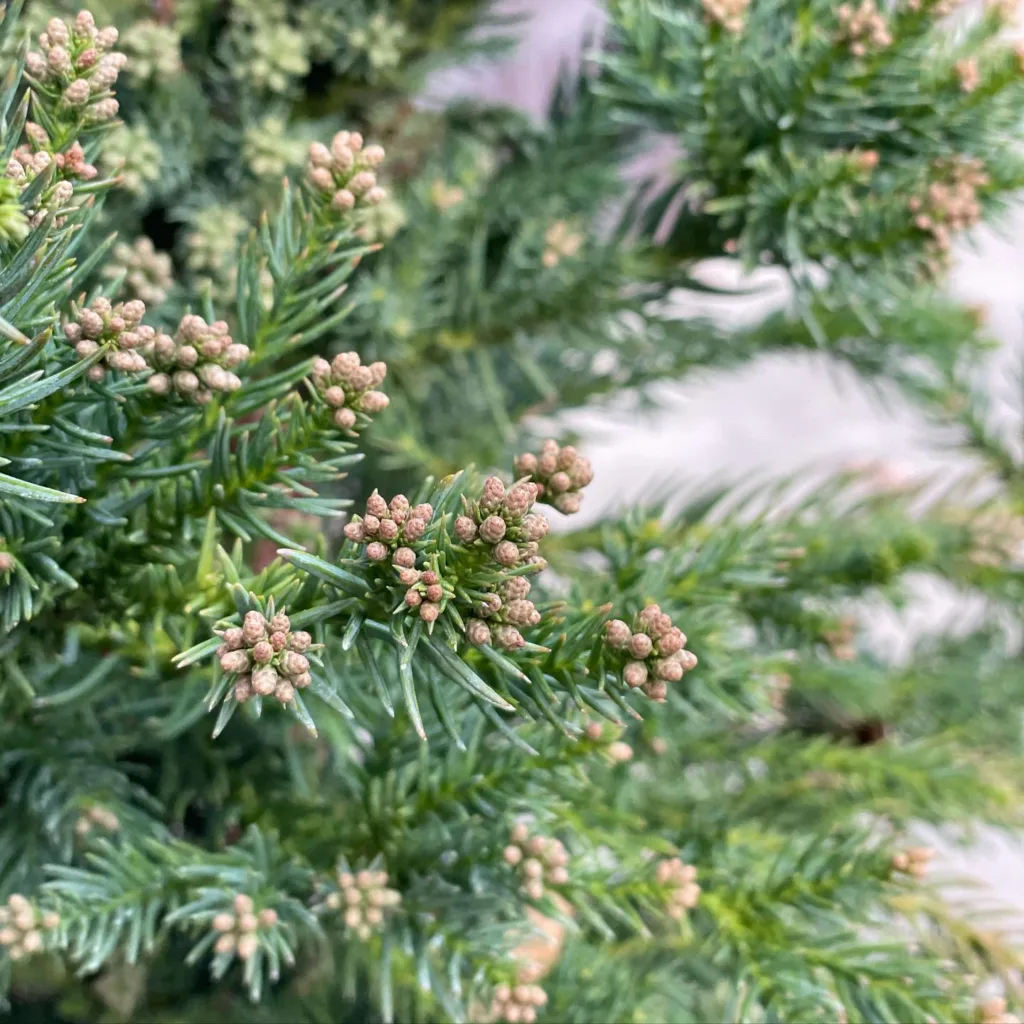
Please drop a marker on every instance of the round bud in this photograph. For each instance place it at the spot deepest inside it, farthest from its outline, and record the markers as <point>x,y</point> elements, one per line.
<point>268,917</point>
<point>284,692</point>
<point>668,669</point>
<point>640,645</point>
<point>478,632</point>
<point>243,903</point>
<point>506,553</point>
<point>334,396</point>
<point>492,529</point>
<point>300,641</point>
<point>635,674</point>
<point>404,558</point>
<point>247,946</point>
<point>344,419</point>
<point>414,528</point>
<point>465,529</point>
<point>430,612</point>
<point>374,402</point>
<point>262,652</point>
<point>388,530</point>
<point>355,532</point>
<point>235,661</point>
<point>342,200</point>
<point>376,551</point>
<point>264,681</point>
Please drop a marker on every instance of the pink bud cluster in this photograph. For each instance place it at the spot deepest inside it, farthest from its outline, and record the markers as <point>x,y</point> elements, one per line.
<point>993,1011</point>
<point>560,474</point>
<point>389,526</point>
<point>509,609</point>
<point>344,172</point>
<point>366,899</point>
<point>561,243</point>
<point>864,28</point>
<point>653,650</point>
<point>23,928</point>
<point>517,1004</point>
<point>79,64</point>
<point>913,861</point>
<point>680,880</point>
<point>266,656</point>
<point>428,592</point>
<point>199,360</point>
<point>117,329</point>
<point>537,859</point>
<point>950,204</point>
<point>348,387</point>
<point>730,14</point>
<point>96,815</point>
<point>36,155</point>
<point>238,933</point>
<point>505,521</point>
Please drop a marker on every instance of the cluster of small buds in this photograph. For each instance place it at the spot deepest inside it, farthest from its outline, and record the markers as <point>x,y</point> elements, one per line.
<point>512,610</point>
<point>863,27</point>
<point>118,329</point>
<point>80,63</point>
<point>561,243</point>
<point>345,171</point>
<point>730,14</point>
<point>559,473</point>
<point>96,815</point>
<point>950,204</point>
<point>537,859</point>
<point>503,519</point>
<point>366,899</point>
<point>516,1004</point>
<point>654,649</point>
<point>684,891</point>
<point>840,638</point>
<point>993,1011</point>
<point>390,527</point>
<point>36,155</point>
<point>266,656</point>
<point>427,593</point>
<point>197,361</point>
<point>238,933</point>
<point>445,196</point>
<point>147,272</point>
<point>968,74</point>
<point>22,927</point>
<point>349,388</point>
<point>913,861</point>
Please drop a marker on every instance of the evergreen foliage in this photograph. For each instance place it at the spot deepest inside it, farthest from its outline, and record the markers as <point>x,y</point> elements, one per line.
<point>304,714</point>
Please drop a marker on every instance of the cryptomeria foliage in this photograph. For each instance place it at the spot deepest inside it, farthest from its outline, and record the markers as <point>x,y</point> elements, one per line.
<point>304,715</point>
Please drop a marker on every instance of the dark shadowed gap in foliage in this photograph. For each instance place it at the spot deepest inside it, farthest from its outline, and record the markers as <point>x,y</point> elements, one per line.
<point>163,231</point>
